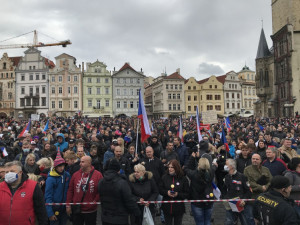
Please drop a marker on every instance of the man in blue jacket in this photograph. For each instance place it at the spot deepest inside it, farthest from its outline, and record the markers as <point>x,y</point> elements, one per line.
<point>57,185</point>
<point>181,150</point>
<point>61,142</point>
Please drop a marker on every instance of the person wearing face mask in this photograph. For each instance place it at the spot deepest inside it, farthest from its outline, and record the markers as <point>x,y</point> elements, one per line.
<point>22,201</point>
<point>275,207</point>
<point>144,189</point>
<point>236,187</point>
<point>25,151</point>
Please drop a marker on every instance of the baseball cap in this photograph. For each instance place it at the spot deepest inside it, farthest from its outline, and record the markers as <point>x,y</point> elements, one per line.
<point>114,142</point>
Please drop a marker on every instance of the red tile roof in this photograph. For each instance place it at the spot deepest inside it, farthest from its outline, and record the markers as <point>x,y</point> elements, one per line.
<point>15,60</point>
<point>202,81</point>
<point>49,63</point>
<point>175,75</point>
<point>221,78</point>
<point>126,66</point>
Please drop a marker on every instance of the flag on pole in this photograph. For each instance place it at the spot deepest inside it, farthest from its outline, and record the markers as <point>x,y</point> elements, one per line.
<point>198,126</point>
<point>145,128</point>
<point>260,127</point>
<point>191,118</point>
<point>235,205</point>
<point>180,131</point>
<point>227,123</point>
<point>46,127</point>
<point>4,152</point>
<point>224,140</point>
<point>216,191</point>
<point>26,129</point>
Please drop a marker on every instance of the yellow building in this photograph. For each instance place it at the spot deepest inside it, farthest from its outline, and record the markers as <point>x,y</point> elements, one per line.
<point>211,94</point>
<point>192,96</point>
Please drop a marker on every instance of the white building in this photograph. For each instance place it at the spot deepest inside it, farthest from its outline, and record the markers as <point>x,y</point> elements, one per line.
<point>32,84</point>
<point>126,85</point>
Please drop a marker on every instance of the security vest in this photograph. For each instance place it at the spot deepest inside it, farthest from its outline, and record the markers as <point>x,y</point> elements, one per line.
<point>266,206</point>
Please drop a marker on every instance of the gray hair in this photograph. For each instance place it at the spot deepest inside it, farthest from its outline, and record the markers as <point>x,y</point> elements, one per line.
<point>232,163</point>
<point>18,164</point>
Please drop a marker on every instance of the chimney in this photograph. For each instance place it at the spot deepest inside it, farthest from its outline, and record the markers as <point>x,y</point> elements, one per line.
<point>82,67</point>
<point>178,71</point>
<point>142,71</point>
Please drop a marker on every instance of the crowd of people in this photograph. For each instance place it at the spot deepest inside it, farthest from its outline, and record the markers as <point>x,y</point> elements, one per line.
<point>86,160</point>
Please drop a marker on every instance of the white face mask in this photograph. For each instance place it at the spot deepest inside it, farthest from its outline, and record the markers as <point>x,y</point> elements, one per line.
<point>226,168</point>
<point>238,152</point>
<point>11,177</point>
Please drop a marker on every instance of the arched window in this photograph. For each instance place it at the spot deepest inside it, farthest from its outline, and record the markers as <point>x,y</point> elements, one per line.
<point>261,78</point>
<point>267,78</point>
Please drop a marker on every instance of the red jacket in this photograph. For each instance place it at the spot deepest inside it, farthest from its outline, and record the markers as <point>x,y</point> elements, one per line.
<point>75,191</point>
<point>17,209</point>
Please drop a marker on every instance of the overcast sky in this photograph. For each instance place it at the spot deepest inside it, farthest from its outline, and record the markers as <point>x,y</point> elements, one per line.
<point>201,37</point>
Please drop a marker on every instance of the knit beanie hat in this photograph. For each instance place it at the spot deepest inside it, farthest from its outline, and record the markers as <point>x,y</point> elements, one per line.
<point>58,160</point>
<point>279,182</point>
<point>114,165</point>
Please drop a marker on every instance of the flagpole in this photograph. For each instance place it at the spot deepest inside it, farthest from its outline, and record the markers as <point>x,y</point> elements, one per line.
<point>137,136</point>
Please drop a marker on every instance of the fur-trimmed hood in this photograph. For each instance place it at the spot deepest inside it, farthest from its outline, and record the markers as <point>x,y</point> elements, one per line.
<point>148,175</point>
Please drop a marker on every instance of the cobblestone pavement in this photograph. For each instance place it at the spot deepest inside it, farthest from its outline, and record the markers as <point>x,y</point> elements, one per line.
<point>218,216</point>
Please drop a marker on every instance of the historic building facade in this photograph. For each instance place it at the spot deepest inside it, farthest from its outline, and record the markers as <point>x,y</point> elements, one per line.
<point>32,84</point>
<point>97,90</point>
<point>232,94</point>
<point>192,96</point>
<point>127,83</point>
<point>65,87</point>
<point>7,85</point>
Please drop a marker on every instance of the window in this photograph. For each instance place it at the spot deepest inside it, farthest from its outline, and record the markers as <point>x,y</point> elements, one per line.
<point>195,108</point>
<point>227,105</point>
<point>245,91</point>
<point>232,95</point>
<point>180,86</point>
<point>31,91</point>
<point>69,78</point>
<point>235,86</point>
<point>138,81</point>
<point>8,84</point>
<point>218,108</point>
<point>238,96</point>
<point>131,91</point>
<point>253,92</point>
<point>118,104</point>
<point>37,90</point>
<point>89,90</point>
<point>170,106</point>
<point>175,86</point>
<point>11,76</point>
<point>90,103</point>
<point>227,95</point>
<point>30,68</point>
<point>209,107</point>
<point>118,91</point>
<point>75,90</point>
<point>107,91</point>
<point>98,91</point>
<point>4,66</point>
<point>169,96</point>
<point>125,91</point>
<point>22,102</point>
<point>53,90</point>
<point>43,89</point>
<point>229,85</point>
<point>217,97</point>
<point>75,104</point>
<point>107,102</point>
<point>69,90</point>
<point>131,80</point>
<point>216,86</point>
<point>36,102</point>
<point>189,98</point>
<point>189,87</point>
<point>75,78</point>
<point>125,104</point>
<point>22,90</point>
<point>22,77</point>
<point>33,67</point>
<point>37,76</point>
<point>28,101</point>
<point>174,96</point>
<point>60,104</point>
<point>249,91</point>
<point>194,88</point>
<point>209,97</point>
<point>98,103</point>
<point>210,86</point>
<point>59,90</point>
<point>167,86</point>
<point>59,78</point>
<point>178,106</point>
<point>195,97</point>
<point>89,80</point>
<point>53,78</point>
<point>43,101</point>
<point>233,105</point>
<point>9,95</point>
<point>131,104</point>
<point>171,86</point>
<point>31,77</point>
<point>178,96</point>
<point>98,79</point>
<point>238,105</point>
<point>53,104</point>
<point>189,108</point>
<point>124,80</point>
<point>118,80</point>
<point>174,106</point>
<point>106,80</point>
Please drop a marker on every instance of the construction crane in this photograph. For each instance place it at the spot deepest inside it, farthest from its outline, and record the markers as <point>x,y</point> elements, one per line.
<point>35,43</point>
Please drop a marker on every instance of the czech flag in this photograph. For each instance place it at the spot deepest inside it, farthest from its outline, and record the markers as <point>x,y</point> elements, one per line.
<point>180,131</point>
<point>25,130</point>
<point>4,152</point>
<point>46,127</point>
<point>235,205</point>
<point>216,190</point>
<point>227,124</point>
<point>224,140</point>
<point>145,128</point>
<point>198,126</point>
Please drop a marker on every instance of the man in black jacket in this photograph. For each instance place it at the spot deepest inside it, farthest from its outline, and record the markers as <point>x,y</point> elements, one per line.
<point>274,207</point>
<point>117,201</point>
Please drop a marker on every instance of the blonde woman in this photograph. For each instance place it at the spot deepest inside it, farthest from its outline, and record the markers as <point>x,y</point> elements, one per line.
<point>30,165</point>
<point>121,144</point>
<point>143,188</point>
<point>201,188</point>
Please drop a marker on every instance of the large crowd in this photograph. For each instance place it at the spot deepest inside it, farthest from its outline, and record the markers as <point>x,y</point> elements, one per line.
<point>101,160</point>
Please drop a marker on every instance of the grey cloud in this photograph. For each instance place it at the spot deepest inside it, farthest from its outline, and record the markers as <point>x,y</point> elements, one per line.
<point>210,69</point>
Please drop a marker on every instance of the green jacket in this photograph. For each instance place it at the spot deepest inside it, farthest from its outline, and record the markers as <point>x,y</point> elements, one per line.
<point>256,176</point>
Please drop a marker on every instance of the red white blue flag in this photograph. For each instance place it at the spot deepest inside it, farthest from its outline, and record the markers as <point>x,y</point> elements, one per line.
<point>235,205</point>
<point>227,123</point>
<point>145,128</point>
<point>46,127</point>
<point>198,126</point>
<point>25,130</point>
<point>224,140</point>
<point>180,131</point>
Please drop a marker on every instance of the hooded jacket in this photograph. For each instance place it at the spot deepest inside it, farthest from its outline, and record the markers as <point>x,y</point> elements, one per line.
<point>62,146</point>
<point>56,190</point>
<point>75,191</point>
